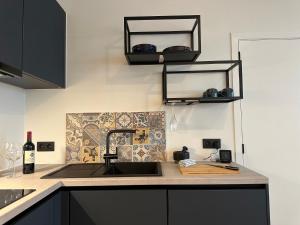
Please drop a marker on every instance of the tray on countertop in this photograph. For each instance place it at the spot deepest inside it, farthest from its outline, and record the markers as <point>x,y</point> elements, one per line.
<point>201,168</point>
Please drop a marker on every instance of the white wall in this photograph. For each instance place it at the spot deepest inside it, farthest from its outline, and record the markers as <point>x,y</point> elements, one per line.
<point>271,119</point>
<point>12,110</point>
<point>99,78</point>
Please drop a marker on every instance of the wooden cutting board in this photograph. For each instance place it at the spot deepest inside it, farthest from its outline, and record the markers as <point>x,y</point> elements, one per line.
<point>205,169</point>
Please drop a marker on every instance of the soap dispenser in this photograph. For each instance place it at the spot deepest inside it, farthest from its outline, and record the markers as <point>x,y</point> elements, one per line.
<point>181,155</point>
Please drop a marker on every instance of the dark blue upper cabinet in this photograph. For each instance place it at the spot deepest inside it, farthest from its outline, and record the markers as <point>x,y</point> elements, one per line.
<point>44,41</point>
<point>11,28</point>
<point>42,37</point>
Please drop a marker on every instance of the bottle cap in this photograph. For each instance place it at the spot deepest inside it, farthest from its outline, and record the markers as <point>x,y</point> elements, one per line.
<point>29,135</point>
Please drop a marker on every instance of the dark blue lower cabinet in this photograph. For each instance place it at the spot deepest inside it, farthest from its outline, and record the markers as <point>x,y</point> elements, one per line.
<point>118,207</point>
<point>171,205</point>
<point>50,211</point>
<point>218,206</point>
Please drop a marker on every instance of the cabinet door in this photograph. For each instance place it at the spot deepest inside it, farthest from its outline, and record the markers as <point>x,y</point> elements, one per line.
<point>44,40</point>
<point>11,13</point>
<point>41,214</point>
<point>118,207</point>
<point>48,212</point>
<point>218,207</point>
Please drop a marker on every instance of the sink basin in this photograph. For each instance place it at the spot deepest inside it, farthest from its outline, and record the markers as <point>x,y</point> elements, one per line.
<point>131,169</point>
<point>121,169</point>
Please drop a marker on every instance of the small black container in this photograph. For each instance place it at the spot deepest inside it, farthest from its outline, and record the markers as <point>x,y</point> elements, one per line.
<point>225,156</point>
<point>176,49</point>
<point>144,48</point>
<point>181,155</point>
<point>210,93</point>
<point>226,92</point>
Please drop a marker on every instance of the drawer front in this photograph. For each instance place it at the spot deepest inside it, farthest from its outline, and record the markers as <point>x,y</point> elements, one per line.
<point>118,207</point>
<point>218,207</point>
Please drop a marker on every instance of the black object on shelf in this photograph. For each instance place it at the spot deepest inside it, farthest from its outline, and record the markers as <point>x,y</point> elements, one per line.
<point>144,48</point>
<point>229,66</point>
<point>226,92</point>
<point>210,93</point>
<point>176,49</point>
<point>194,33</point>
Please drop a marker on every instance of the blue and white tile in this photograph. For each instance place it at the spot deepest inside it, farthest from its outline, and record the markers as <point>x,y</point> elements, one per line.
<point>157,137</point>
<point>121,139</point>
<point>141,153</point>
<point>73,152</point>
<point>125,153</point>
<point>124,120</point>
<point>141,120</point>
<point>90,118</point>
<point>158,153</point>
<point>91,135</point>
<point>107,120</point>
<point>157,120</point>
<point>142,136</point>
<point>90,154</point>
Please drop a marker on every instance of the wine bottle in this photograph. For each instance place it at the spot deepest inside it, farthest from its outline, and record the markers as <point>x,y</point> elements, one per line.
<point>28,155</point>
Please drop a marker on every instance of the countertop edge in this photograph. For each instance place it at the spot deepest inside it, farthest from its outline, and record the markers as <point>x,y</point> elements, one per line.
<point>13,210</point>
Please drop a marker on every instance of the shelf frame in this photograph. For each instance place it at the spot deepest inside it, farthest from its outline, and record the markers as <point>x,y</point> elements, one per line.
<point>154,58</point>
<point>194,100</point>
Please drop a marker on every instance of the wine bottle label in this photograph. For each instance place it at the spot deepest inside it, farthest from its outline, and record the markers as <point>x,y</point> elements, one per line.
<point>28,157</point>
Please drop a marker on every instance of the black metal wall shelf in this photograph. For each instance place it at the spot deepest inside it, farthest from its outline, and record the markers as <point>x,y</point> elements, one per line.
<point>160,57</point>
<point>230,65</point>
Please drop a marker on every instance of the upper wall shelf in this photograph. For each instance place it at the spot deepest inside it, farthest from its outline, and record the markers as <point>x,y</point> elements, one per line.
<point>165,26</point>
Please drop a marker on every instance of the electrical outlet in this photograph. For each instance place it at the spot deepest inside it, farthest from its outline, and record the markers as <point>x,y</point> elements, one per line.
<point>45,146</point>
<point>212,143</point>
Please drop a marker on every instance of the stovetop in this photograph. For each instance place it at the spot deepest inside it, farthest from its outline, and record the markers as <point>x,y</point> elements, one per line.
<point>8,196</point>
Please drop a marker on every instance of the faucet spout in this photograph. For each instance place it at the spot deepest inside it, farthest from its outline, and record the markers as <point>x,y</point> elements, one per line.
<point>107,157</point>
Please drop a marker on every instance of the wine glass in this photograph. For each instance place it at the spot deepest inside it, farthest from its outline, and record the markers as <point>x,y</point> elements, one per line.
<point>173,121</point>
<point>12,152</point>
<point>1,148</point>
<point>4,145</point>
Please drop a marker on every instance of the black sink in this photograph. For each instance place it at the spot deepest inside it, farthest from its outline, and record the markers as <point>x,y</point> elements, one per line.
<point>121,169</point>
<point>131,169</point>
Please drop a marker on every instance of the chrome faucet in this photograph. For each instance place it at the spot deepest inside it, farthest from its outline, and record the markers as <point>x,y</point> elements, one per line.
<point>107,157</point>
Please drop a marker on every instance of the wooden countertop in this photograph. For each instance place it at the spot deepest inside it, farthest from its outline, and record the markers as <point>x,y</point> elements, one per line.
<point>171,176</point>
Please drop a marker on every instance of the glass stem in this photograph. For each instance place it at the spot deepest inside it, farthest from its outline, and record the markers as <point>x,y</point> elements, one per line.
<point>9,168</point>
<point>173,121</point>
<point>14,168</point>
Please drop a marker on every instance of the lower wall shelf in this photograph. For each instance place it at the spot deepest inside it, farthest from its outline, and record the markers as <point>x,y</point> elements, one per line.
<point>171,69</point>
<point>191,101</point>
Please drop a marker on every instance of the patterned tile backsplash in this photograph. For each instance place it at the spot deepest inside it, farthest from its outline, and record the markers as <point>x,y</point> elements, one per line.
<point>86,136</point>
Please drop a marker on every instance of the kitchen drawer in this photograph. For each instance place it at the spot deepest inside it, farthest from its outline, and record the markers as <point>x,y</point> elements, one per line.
<point>218,207</point>
<point>118,207</point>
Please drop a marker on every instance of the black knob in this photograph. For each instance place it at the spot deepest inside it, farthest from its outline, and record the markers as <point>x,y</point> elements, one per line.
<point>184,148</point>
